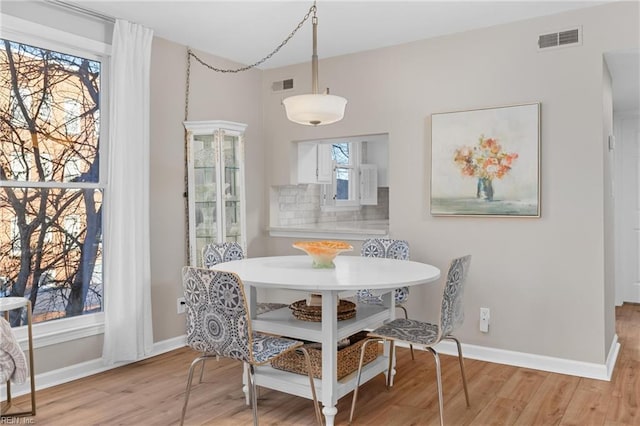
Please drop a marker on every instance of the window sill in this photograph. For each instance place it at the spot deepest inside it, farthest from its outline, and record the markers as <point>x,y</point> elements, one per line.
<point>61,330</point>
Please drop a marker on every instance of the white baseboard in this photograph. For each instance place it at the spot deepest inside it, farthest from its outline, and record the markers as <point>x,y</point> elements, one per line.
<point>447,347</point>
<point>633,293</point>
<point>84,369</point>
<point>537,362</point>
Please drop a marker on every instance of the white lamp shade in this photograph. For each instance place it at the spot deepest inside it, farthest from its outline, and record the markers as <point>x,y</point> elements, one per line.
<point>315,109</point>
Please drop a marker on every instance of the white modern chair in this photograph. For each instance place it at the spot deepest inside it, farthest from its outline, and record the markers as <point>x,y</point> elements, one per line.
<point>426,334</point>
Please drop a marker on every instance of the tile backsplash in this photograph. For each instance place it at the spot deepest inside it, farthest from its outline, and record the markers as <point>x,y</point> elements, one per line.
<point>300,205</point>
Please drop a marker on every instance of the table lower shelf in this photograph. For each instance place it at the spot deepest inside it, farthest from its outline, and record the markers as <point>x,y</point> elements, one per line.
<point>283,323</point>
<point>298,384</point>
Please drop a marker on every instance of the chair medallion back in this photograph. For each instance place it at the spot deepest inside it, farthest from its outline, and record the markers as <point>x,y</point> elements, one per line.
<point>452,311</point>
<point>217,315</point>
<point>215,253</point>
<point>385,247</point>
<point>390,249</point>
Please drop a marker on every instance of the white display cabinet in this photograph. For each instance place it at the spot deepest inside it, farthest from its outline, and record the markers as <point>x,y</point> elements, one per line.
<point>216,191</point>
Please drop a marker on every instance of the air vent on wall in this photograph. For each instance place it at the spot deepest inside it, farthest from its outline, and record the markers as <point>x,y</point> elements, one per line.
<point>282,85</point>
<point>564,38</point>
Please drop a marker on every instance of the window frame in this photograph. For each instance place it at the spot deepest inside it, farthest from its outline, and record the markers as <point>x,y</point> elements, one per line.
<point>352,169</point>
<point>22,31</point>
<point>329,191</point>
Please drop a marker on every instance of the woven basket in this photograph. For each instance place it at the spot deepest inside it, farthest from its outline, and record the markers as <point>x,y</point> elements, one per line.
<point>301,311</point>
<point>348,358</point>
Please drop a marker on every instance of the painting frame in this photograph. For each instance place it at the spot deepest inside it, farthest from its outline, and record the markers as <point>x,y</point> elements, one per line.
<point>485,162</point>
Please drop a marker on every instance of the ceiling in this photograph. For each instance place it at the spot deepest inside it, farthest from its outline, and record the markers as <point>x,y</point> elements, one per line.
<point>246,31</point>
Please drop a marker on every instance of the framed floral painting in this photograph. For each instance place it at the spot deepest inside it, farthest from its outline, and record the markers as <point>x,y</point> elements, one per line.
<point>486,162</point>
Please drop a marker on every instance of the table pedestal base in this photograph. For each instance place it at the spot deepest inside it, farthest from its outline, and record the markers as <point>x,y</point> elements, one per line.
<point>329,415</point>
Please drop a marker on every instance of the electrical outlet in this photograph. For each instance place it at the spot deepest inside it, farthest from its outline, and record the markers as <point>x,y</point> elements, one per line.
<point>485,315</point>
<point>181,305</point>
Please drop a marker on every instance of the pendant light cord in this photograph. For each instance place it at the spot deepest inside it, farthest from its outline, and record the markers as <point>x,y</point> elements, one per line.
<point>190,54</point>
<point>312,10</point>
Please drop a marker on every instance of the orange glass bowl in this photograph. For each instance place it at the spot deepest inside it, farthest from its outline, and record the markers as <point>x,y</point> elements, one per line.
<point>323,252</point>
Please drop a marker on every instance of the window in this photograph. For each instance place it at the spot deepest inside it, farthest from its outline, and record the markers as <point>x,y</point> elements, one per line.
<point>345,160</point>
<point>4,287</point>
<point>45,108</point>
<point>24,100</point>
<point>353,182</point>
<point>47,165</point>
<point>19,166</point>
<point>50,175</point>
<point>72,227</point>
<point>16,247</point>
<point>71,169</point>
<point>72,110</point>
<point>47,280</point>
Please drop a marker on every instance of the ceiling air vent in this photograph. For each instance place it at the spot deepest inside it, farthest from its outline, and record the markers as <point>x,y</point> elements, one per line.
<point>565,38</point>
<point>282,85</point>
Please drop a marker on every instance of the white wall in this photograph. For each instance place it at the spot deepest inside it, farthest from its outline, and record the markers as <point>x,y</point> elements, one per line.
<point>608,200</point>
<point>544,279</point>
<point>627,186</point>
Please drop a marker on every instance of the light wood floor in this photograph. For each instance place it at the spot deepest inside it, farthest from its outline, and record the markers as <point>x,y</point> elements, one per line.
<point>151,392</point>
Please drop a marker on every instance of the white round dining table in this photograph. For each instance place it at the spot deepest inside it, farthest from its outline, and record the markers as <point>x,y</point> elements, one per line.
<point>350,273</point>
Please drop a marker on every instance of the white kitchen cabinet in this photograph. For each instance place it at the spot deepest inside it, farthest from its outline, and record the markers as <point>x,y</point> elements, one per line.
<point>368,185</point>
<point>314,163</point>
<point>216,189</point>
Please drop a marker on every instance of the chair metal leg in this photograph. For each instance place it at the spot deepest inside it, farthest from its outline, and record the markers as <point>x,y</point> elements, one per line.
<point>439,380</point>
<point>406,316</point>
<point>254,394</point>
<point>461,359</point>
<point>202,370</point>
<point>188,391</point>
<point>355,391</point>
<point>316,406</point>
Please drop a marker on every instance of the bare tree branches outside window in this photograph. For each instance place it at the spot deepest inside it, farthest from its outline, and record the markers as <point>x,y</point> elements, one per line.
<point>50,192</point>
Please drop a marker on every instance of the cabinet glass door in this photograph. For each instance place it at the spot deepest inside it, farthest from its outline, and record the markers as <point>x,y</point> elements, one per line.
<point>205,188</point>
<point>232,184</point>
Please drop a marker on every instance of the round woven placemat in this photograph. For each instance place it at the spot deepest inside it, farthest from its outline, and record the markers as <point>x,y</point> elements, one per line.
<point>301,311</point>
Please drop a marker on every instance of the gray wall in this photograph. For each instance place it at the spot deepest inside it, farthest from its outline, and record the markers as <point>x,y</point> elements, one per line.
<point>213,96</point>
<point>547,281</point>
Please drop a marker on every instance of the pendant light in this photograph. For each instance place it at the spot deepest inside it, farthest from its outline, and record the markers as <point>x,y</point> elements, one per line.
<point>315,109</point>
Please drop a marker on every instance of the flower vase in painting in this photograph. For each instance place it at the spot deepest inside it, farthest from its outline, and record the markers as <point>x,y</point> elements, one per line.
<point>486,162</point>
<point>485,189</point>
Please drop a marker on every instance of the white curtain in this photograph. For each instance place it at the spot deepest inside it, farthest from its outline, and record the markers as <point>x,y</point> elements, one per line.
<point>128,333</point>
